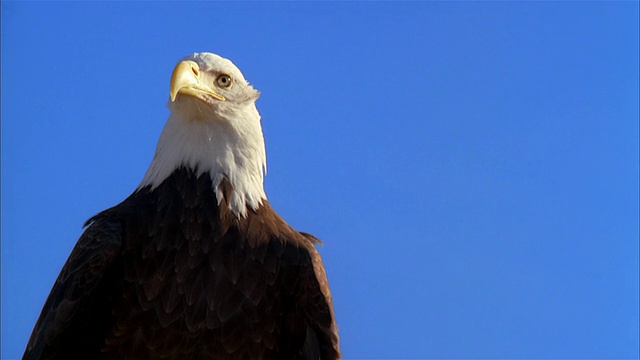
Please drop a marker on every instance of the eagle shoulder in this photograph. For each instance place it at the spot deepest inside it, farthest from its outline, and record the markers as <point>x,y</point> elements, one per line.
<point>72,312</point>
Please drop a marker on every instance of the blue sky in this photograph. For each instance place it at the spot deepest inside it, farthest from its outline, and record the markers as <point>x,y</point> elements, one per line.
<point>472,167</point>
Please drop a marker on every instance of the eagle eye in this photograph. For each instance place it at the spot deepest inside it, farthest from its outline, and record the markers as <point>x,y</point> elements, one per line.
<point>224,80</point>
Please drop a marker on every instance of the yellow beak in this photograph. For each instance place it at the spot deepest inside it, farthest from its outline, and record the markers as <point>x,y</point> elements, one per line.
<point>186,80</point>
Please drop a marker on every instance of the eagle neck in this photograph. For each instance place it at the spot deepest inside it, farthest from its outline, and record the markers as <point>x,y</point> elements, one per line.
<point>234,152</point>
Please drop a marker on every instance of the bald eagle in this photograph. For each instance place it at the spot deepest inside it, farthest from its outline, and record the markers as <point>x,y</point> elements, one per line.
<point>194,264</point>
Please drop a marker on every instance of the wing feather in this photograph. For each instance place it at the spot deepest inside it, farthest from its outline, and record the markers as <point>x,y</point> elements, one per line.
<point>72,313</point>
<point>322,341</point>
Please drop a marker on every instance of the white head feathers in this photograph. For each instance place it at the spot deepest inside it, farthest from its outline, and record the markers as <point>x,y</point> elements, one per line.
<point>214,127</point>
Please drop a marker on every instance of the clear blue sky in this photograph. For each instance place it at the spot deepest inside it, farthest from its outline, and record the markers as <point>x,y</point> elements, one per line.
<point>471,167</point>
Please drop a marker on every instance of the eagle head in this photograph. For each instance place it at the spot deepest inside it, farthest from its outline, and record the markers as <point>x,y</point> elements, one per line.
<point>206,86</point>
